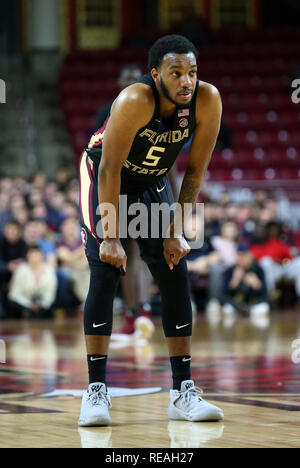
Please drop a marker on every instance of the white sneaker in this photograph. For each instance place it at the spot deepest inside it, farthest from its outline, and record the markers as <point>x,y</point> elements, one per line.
<point>213,312</point>
<point>144,328</point>
<point>230,315</point>
<point>187,405</point>
<point>94,407</point>
<point>262,309</point>
<point>229,310</point>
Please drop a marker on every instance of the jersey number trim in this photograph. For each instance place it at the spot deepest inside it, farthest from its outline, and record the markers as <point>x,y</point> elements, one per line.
<point>151,157</point>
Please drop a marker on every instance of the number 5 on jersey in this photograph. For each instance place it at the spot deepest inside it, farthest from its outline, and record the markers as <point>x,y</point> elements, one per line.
<point>151,157</point>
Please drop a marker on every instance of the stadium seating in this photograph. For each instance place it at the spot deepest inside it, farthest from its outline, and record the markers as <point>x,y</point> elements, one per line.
<point>253,71</point>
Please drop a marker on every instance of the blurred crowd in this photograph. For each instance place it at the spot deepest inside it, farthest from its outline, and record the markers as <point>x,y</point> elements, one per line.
<point>43,267</point>
<point>249,261</point>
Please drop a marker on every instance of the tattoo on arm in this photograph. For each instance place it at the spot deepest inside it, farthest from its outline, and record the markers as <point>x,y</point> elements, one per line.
<point>189,190</point>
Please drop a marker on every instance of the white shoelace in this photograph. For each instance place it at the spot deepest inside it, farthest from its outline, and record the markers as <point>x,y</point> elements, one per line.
<point>190,394</point>
<point>99,399</point>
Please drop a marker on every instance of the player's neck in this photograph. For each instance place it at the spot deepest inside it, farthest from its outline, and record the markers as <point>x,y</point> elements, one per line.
<point>167,108</point>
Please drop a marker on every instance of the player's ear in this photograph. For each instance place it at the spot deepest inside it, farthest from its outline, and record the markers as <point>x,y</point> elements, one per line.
<point>155,74</point>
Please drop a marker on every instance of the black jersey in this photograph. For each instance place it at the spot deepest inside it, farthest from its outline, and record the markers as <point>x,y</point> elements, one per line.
<point>155,147</point>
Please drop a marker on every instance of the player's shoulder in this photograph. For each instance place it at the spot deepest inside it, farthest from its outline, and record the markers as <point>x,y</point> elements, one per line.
<point>208,102</point>
<point>207,92</point>
<point>135,98</point>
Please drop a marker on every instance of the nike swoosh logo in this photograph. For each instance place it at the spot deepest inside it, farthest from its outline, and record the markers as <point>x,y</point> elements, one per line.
<point>186,360</point>
<point>97,359</point>
<point>182,326</point>
<point>160,190</point>
<point>100,325</point>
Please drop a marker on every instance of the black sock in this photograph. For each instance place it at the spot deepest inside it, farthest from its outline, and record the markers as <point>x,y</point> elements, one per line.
<point>97,368</point>
<point>181,370</point>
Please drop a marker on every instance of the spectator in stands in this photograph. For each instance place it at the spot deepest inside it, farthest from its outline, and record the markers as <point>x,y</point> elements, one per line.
<point>18,209</point>
<point>33,287</point>
<point>225,244</point>
<point>63,179</point>
<point>260,197</point>
<point>39,211</point>
<point>129,74</point>
<point>12,253</point>
<point>276,258</point>
<point>244,287</point>
<point>36,233</point>
<point>5,215</point>
<point>55,214</point>
<point>50,189</point>
<point>39,180</point>
<point>212,219</point>
<point>72,260</point>
<point>200,262</point>
<point>72,192</point>
<point>70,209</point>
<point>35,197</point>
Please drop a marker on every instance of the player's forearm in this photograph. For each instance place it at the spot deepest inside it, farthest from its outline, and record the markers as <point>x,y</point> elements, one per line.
<point>109,184</point>
<point>189,192</point>
<point>190,189</point>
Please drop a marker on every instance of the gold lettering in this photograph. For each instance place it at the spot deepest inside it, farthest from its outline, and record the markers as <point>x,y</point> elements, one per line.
<point>152,138</point>
<point>162,171</point>
<point>176,136</point>
<point>148,133</point>
<point>164,137</point>
<point>186,133</point>
<point>144,171</point>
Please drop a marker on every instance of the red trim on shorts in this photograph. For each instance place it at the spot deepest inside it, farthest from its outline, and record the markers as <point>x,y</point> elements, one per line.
<point>92,232</point>
<point>101,130</point>
<point>79,166</point>
<point>91,197</point>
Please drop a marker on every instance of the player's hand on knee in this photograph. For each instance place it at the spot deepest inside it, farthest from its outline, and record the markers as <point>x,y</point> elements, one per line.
<point>112,252</point>
<point>174,250</point>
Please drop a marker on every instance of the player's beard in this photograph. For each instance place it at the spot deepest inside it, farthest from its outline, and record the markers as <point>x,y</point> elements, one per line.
<point>166,95</point>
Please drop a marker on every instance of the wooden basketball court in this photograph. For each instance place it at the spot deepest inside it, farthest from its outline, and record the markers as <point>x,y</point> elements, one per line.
<point>245,368</point>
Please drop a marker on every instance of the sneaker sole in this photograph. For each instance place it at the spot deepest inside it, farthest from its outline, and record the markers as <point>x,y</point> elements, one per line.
<point>94,423</point>
<point>205,418</point>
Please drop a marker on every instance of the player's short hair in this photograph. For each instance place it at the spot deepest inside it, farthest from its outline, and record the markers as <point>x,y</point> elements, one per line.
<point>168,44</point>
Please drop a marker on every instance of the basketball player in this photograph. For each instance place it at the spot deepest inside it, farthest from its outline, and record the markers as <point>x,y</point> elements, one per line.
<point>149,123</point>
<point>137,282</point>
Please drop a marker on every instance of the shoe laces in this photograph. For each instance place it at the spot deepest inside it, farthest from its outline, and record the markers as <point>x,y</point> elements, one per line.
<point>190,395</point>
<point>99,398</point>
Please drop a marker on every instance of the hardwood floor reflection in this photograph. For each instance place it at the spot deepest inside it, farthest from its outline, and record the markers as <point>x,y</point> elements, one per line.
<point>245,368</point>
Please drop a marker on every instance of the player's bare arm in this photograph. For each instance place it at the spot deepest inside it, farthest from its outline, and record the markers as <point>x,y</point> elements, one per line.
<point>132,110</point>
<point>208,113</point>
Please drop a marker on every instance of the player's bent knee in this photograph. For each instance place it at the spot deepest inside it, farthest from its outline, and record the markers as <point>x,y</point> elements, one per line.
<point>174,287</point>
<point>98,310</point>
